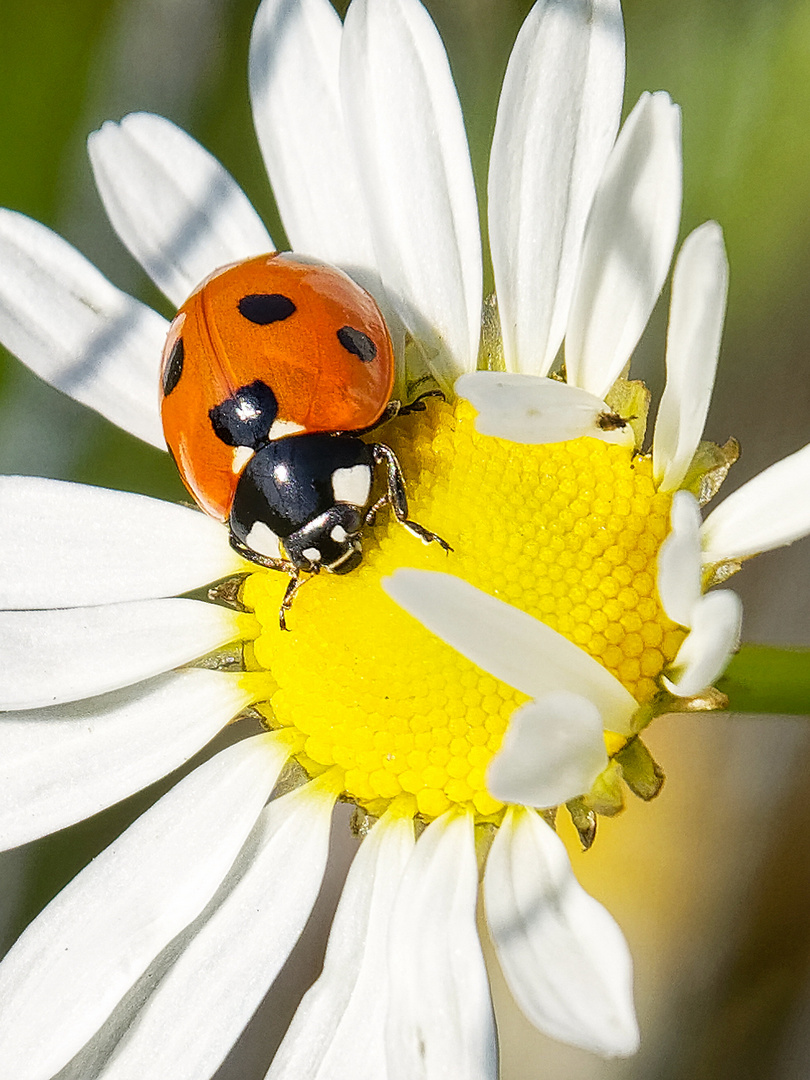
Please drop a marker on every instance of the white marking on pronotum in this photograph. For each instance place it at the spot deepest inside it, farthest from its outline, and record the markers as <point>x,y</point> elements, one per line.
<point>264,541</point>
<point>280,428</point>
<point>352,485</point>
<point>241,456</point>
<point>338,534</point>
<point>312,554</point>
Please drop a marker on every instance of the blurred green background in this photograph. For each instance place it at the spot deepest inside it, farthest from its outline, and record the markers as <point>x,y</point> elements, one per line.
<point>711,883</point>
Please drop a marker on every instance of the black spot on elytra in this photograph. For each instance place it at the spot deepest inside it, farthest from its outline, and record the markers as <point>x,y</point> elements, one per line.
<point>357,343</point>
<point>265,308</point>
<point>245,418</point>
<point>174,367</point>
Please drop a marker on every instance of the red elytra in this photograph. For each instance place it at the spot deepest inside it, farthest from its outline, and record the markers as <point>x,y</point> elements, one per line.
<point>319,343</point>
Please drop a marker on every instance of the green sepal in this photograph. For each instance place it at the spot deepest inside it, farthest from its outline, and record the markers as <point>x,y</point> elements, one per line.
<point>584,818</point>
<point>630,399</point>
<point>709,468</point>
<point>490,353</point>
<point>640,771</point>
<point>606,797</point>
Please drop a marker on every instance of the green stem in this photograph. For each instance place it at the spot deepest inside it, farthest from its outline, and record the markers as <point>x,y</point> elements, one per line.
<point>762,679</point>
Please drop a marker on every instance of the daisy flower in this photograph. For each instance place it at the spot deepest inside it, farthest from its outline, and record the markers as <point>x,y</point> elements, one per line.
<point>571,611</point>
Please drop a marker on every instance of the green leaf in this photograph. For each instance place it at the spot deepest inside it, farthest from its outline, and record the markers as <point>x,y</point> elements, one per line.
<point>762,679</point>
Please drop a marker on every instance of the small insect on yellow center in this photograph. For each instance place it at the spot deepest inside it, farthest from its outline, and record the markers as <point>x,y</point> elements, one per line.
<point>568,532</point>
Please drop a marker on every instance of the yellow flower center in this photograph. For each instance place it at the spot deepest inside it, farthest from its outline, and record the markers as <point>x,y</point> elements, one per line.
<point>568,532</point>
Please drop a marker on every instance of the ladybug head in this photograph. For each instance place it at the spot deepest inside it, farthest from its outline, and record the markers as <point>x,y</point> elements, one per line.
<point>330,542</point>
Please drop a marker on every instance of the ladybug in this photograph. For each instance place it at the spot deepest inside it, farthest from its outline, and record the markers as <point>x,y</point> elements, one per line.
<point>271,371</point>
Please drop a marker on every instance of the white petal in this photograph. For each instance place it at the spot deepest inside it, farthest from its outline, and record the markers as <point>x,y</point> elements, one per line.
<point>511,645</point>
<point>69,545</point>
<point>564,958</point>
<point>50,657</point>
<point>628,245</point>
<point>679,568</point>
<point>180,213</point>
<point>557,119</point>
<point>440,1021</point>
<point>707,649</point>
<point>528,409</point>
<point>552,751</point>
<point>295,91</point>
<point>76,330</point>
<point>197,1010</point>
<point>771,510</point>
<point>63,764</point>
<point>339,1028</point>
<point>74,963</point>
<point>403,116</point>
<point>696,314</point>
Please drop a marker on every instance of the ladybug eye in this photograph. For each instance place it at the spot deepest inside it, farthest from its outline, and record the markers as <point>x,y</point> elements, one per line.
<point>265,308</point>
<point>357,343</point>
<point>245,418</point>
<point>174,367</point>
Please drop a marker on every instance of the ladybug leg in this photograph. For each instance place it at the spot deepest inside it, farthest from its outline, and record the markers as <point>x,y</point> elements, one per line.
<point>293,586</point>
<point>396,495</point>
<point>396,408</point>
<point>392,409</point>
<point>284,565</point>
<point>418,404</point>
<point>371,513</point>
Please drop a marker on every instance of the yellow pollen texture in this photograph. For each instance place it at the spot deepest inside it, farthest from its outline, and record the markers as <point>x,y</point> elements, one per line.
<point>568,532</point>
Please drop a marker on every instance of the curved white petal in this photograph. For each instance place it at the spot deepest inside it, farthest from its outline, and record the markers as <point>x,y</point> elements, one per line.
<point>180,213</point>
<point>404,119</point>
<point>628,245</point>
<point>295,91</point>
<point>63,764</point>
<point>440,1021</point>
<point>771,510</point>
<point>552,751</point>
<point>294,75</point>
<point>528,409</point>
<point>75,330</point>
<point>696,314</point>
<point>557,119</point>
<point>679,566</point>
<point>511,645</point>
<point>74,963</point>
<point>338,1030</point>
<point>70,545</point>
<point>199,1007</point>
<point>707,649</point>
<point>564,958</point>
<point>50,657</point>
